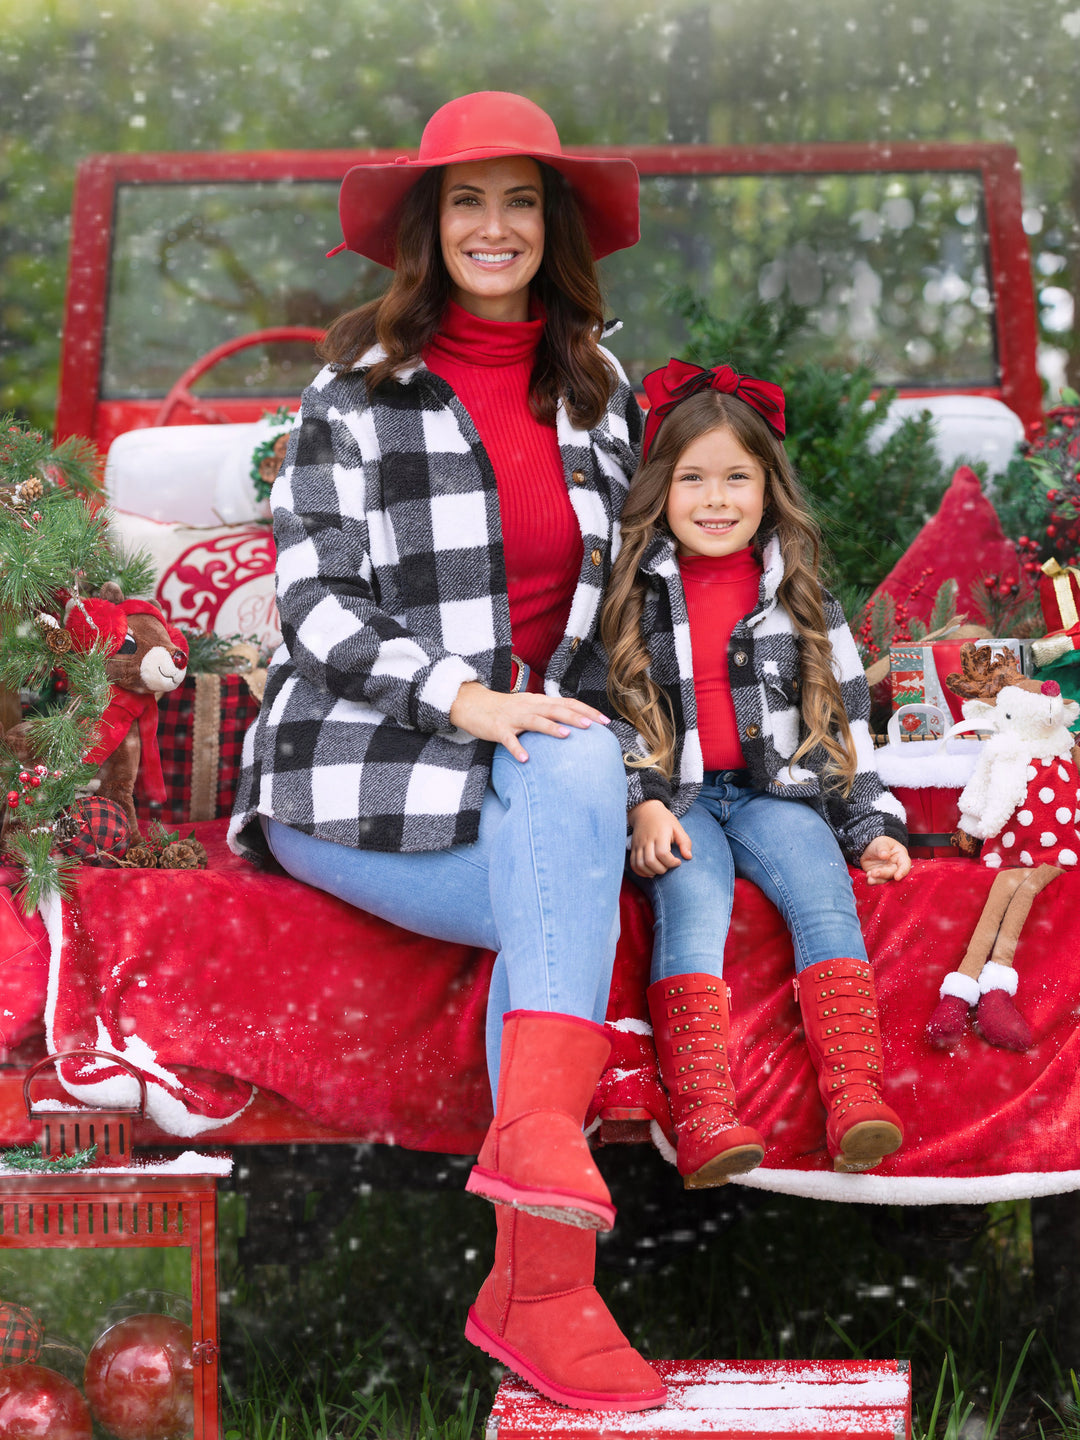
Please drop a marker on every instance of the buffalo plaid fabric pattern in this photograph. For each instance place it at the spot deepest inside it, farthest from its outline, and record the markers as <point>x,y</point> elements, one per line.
<point>391,590</point>
<point>102,828</point>
<point>765,675</point>
<point>20,1335</point>
<point>176,745</point>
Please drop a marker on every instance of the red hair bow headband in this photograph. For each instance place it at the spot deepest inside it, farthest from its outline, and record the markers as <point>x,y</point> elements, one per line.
<point>678,380</point>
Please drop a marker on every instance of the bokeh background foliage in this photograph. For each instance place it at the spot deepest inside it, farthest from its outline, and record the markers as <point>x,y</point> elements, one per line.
<point>78,76</point>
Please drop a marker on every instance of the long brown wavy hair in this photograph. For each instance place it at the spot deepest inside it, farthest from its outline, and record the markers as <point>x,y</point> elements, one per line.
<point>632,690</point>
<point>568,365</point>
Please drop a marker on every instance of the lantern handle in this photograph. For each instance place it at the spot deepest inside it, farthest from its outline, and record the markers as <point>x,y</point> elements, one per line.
<point>85,1050</point>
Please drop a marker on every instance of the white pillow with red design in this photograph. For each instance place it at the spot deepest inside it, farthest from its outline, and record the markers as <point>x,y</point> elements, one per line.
<point>209,578</point>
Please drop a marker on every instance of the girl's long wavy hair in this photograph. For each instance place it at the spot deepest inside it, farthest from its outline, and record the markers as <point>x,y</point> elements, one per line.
<point>568,366</point>
<point>632,690</point>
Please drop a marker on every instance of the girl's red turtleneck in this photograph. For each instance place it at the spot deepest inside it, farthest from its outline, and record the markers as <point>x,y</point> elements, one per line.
<point>488,364</point>
<point>720,590</point>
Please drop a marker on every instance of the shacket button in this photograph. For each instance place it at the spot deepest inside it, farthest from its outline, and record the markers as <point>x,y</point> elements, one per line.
<point>575,642</point>
<point>753,731</point>
<point>578,477</point>
<point>597,558</point>
<point>739,657</point>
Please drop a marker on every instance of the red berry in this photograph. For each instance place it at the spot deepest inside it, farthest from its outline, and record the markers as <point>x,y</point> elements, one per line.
<point>13,799</point>
<point>24,776</point>
<point>34,781</point>
<point>41,770</point>
<point>1051,530</point>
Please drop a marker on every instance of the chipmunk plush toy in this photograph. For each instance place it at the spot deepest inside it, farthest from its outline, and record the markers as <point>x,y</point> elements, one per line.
<point>148,658</point>
<point>1022,802</point>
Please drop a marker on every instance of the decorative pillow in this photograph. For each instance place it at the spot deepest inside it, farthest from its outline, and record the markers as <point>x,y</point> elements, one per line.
<point>219,578</point>
<point>964,542</point>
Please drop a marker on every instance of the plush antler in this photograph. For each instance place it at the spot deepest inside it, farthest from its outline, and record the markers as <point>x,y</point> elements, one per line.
<point>984,674</point>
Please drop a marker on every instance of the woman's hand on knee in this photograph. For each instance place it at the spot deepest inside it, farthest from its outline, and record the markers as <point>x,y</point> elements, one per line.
<point>491,715</point>
<point>655,832</point>
<point>884,859</point>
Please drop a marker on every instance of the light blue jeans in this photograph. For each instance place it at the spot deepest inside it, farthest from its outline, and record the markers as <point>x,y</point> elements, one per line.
<point>540,886</point>
<point>785,848</point>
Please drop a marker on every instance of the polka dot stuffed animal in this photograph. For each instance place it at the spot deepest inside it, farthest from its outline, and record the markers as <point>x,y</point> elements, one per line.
<point>1023,803</point>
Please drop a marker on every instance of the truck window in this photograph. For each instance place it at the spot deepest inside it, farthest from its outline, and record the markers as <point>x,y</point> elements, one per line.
<point>892,269</point>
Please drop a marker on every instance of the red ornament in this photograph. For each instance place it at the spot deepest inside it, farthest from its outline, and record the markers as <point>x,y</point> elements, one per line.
<point>39,1404</point>
<point>140,1380</point>
<point>43,770</point>
<point>20,1335</point>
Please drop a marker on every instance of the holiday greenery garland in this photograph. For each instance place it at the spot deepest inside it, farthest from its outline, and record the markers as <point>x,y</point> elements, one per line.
<point>55,548</point>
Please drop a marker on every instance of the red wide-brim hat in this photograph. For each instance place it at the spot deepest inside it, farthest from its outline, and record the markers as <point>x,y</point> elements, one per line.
<point>485,126</point>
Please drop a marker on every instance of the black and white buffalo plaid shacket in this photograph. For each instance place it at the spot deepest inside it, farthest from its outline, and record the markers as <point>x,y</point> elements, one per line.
<point>391,587</point>
<point>765,673</point>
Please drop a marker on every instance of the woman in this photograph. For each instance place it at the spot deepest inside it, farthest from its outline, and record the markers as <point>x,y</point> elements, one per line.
<point>444,525</point>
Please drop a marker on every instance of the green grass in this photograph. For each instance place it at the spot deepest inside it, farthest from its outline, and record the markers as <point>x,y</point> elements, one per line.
<point>365,1341</point>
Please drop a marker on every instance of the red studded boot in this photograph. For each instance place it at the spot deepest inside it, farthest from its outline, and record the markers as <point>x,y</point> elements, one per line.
<point>690,1030</point>
<point>539,1312</point>
<point>839,1011</point>
<point>534,1156</point>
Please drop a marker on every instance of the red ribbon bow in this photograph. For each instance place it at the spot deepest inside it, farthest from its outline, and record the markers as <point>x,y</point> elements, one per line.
<point>679,379</point>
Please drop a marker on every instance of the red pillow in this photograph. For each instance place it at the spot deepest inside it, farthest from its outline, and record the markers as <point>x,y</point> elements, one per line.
<point>964,542</point>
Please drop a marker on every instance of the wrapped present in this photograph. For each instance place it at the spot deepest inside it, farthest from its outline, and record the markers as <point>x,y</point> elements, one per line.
<point>927,779</point>
<point>201,728</point>
<point>1059,596</point>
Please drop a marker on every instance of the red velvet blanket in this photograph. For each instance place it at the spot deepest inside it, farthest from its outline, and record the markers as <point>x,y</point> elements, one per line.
<point>218,981</point>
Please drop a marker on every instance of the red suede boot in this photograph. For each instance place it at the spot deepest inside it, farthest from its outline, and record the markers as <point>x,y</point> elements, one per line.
<point>534,1155</point>
<point>539,1313</point>
<point>690,1030</point>
<point>839,1011</point>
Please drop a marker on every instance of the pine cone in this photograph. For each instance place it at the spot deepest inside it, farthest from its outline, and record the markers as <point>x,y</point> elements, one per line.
<point>57,640</point>
<point>66,827</point>
<point>31,489</point>
<point>183,855</point>
<point>141,857</point>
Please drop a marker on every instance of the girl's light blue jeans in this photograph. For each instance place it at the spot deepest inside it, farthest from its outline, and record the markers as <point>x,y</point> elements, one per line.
<point>540,886</point>
<point>784,847</point>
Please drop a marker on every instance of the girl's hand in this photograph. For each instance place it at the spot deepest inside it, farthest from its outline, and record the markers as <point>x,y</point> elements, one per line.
<point>884,859</point>
<point>655,831</point>
<point>491,715</point>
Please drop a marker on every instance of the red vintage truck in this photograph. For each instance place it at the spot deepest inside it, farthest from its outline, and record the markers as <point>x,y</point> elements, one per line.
<point>260,1012</point>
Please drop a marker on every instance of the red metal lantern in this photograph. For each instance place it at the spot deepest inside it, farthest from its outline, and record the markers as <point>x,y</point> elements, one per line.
<point>66,1129</point>
<point>102,1210</point>
<point>139,1378</point>
<point>39,1404</point>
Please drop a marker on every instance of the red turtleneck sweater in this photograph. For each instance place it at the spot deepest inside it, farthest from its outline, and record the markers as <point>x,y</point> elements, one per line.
<point>488,364</point>
<point>720,590</point>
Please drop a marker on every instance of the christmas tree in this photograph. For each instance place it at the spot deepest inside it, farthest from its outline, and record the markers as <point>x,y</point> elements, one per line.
<point>55,549</point>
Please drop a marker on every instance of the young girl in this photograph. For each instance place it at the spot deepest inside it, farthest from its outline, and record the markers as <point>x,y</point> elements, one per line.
<point>744,714</point>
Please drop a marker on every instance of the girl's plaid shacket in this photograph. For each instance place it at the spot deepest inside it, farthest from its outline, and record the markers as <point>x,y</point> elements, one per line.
<point>765,673</point>
<point>391,588</point>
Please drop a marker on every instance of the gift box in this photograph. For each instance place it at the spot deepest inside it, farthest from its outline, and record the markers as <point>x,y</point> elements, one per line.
<point>927,779</point>
<point>1059,595</point>
<point>201,728</point>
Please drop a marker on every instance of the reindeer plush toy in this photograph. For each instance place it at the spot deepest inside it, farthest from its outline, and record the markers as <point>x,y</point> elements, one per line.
<point>147,659</point>
<point>1022,802</point>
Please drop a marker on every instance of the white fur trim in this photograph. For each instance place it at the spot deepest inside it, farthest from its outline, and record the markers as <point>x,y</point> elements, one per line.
<point>660,1140</point>
<point>912,766</point>
<point>962,986</point>
<point>998,977</point>
<point>910,1189</point>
